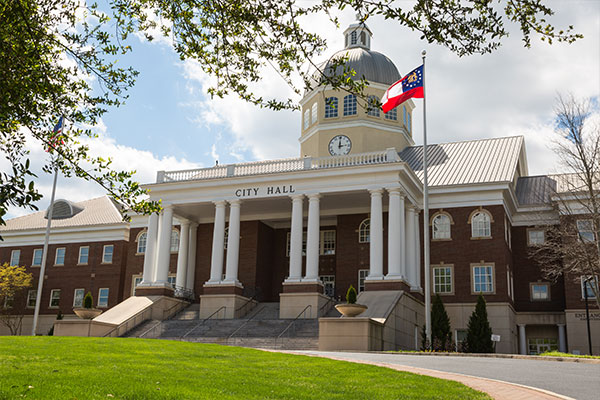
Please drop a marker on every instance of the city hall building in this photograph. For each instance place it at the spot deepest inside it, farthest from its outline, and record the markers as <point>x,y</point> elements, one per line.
<point>301,231</point>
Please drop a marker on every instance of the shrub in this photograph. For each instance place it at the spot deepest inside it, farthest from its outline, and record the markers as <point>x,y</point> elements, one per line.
<point>88,300</point>
<point>351,295</point>
<point>441,334</point>
<point>424,340</point>
<point>479,333</point>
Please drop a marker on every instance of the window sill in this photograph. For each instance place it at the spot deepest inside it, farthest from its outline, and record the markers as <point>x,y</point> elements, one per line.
<point>82,264</point>
<point>54,307</point>
<point>481,237</point>
<point>442,240</point>
<point>36,266</point>
<point>483,293</point>
<point>58,265</point>
<point>140,254</point>
<point>444,293</point>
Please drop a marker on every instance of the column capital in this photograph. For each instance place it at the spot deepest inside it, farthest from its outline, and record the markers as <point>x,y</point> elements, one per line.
<point>167,207</point>
<point>194,224</point>
<point>412,208</point>
<point>183,221</point>
<point>396,191</point>
<point>313,196</point>
<point>561,325</point>
<point>220,203</point>
<point>522,325</point>
<point>234,202</point>
<point>376,192</point>
<point>297,197</point>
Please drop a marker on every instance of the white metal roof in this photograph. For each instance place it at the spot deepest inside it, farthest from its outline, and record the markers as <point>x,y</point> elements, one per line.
<point>98,211</point>
<point>468,162</point>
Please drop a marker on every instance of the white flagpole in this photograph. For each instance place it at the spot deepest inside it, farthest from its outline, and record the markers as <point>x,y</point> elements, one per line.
<point>426,217</point>
<point>38,298</point>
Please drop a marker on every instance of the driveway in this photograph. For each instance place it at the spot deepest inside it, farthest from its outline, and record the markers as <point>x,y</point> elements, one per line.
<point>578,380</point>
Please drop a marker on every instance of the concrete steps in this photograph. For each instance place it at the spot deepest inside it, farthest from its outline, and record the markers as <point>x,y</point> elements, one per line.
<point>257,342</point>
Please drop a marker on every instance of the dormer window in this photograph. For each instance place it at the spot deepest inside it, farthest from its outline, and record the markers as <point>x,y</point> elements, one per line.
<point>62,209</point>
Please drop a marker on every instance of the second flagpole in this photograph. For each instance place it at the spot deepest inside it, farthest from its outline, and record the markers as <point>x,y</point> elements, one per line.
<point>426,217</point>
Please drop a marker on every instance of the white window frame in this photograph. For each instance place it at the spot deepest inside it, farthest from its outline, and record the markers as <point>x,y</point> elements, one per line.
<point>350,107</point>
<point>361,279</point>
<point>591,293</point>
<point>364,231</point>
<point>134,279</point>
<point>104,253</point>
<point>52,298</point>
<point>322,249</point>
<point>79,257</point>
<point>481,229</point>
<point>33,264</point>
<point>31,297</point>
<point>392,115</point>
<point>372,109</point>
<point>492,282</point>
<point>444,234</point>
<point>63,257</point>
<point>328,281</point>
<point>75,303</point>
<point>322,243</point>
<point>103,304</point>
<point>306,119</point>
<point>445,268</point>
<point>582,234</point>
<point>174,240</point>
<point>532,243</point>
<point>532,292</point>
<point>172,278</point>
<point>331,107</point>
<point>15,254</point>
<point>314,110</point>
<point>142,242</point>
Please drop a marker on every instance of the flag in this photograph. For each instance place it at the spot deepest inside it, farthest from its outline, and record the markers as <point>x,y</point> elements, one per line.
<point>56,137</point>
<point>408,87</point>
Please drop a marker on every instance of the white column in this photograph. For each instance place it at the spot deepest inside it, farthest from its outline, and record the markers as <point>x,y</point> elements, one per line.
<point>522,339</point>
<point>394,251</point>
<point>182,253</point>
<point>402,236</point>
<point>150,255</point>
<point>312,239</point>
<point>562,338</point>
<point>216,261</point>
<point>417,283</point>
<point>410,244</point>
<point>164,245</point>
<point>296,239</point>
<point>233,243</point>
<point>191,259</point>
<point>376,245</point>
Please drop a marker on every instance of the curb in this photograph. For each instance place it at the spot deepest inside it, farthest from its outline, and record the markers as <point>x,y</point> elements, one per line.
<point>492,355</point>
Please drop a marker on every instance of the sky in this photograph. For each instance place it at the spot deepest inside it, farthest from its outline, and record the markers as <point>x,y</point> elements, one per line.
<point>169,123</point>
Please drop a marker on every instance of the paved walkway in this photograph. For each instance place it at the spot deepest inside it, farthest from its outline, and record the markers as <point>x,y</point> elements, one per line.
<point>501,378</point>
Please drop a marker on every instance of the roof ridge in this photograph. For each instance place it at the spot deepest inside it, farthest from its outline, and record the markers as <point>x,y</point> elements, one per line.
<point>472,141</point>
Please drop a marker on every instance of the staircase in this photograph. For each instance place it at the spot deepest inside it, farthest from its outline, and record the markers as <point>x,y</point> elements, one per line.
<point>260,328</point>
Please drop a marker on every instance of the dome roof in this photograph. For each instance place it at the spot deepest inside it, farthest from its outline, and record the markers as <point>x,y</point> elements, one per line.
<point>373,66</point>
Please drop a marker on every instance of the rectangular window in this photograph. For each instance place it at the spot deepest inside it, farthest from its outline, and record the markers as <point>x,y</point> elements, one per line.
<point>541,345</point>
<point>392,114</point>
<point>327,243</point>
<point>442,280</point>
<point>587,285</point>
<point>329,283</point>
<point>135,280</point>
<point>172,278</point>
<point>107,254</point>
<point>31,297</point>
<point>331,107</point>
<point>8,302</point>
<point>585,228</point>
<point>483,279</point>
<point>37,258</point>
<point>54,298</point>
<point>350,105</point>
<point>306,119</point>
<point>536,237</point>
<point>59,259</point>
<point>78,297</point>
<point>362,274</point>
<point>103,297</point>
<point>314,111</point>
<point>539,291</point>
<point>84,254</point>
<point>15,257</point>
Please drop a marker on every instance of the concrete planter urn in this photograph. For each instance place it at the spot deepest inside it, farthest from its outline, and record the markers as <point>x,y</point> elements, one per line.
<point>87,313</point>
<point>350,310</point>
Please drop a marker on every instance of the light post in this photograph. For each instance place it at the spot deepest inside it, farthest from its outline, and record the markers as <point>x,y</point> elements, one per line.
<point>587,311</point>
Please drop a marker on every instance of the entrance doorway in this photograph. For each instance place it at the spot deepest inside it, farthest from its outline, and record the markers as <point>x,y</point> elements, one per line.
<point>541,345</point>
<point>329,282</point>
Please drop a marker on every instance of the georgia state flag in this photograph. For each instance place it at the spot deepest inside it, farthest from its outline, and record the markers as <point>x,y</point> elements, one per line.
<point>408,87</point>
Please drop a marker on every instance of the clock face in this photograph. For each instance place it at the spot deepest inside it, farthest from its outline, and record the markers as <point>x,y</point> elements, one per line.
<point>340,145</point>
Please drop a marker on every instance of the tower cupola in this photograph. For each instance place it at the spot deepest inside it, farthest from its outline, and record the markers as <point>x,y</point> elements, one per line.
<point>358,35</point>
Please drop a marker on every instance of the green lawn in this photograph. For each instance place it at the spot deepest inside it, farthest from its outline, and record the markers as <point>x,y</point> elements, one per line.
<point>108,368</point>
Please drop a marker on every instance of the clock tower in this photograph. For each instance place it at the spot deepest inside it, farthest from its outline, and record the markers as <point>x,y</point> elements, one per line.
<point>337,123</point>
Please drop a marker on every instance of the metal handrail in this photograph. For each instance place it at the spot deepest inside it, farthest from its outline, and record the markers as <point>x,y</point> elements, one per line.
<point>171,308</point>
<point>325,305</point>
<point>125,322</point>
<point>158,323</point>
<point>204,320</point>
<point>245,323</point>
<point>294,320</point>
<point>246,303</point>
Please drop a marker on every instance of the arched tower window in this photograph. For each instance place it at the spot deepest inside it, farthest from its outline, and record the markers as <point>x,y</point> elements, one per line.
<point>174,240</point>
<point>392,114</point>
<point>373,109</point>
<point>142,241</point>
<point>441,226</point>
<point>364,231</point>
<point>314,111</point>
<point>331,107</point>
<point>306,119</point>
<point>481,224</point>
<point>350,105</point>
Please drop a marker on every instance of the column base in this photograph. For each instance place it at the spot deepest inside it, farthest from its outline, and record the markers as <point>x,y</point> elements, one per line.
<point>223,288</point>
<point>225,306</point>
<point>292,305</point>
<point>154,289</point>
<point>304,287</point>
<point>388,284</point>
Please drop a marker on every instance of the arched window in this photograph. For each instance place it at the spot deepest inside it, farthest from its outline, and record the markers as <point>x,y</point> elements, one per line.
<point>142,239</point>
<point>404,116</point>
<point>306,119</point>
<point>331,107</point>
<point>364,231</point>
<point>315,110</point>
<point>481,224</point>
<point>408,123</point>
<point>392,114</point>
<point>226,238</point>
<point>174,240</point>
<point>363,38</point>
<point>440,226</point>
<point>350,105</point>
<point>373,109</point>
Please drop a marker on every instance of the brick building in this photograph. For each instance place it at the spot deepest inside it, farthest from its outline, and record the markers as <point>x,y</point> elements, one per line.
<point>348,212</point>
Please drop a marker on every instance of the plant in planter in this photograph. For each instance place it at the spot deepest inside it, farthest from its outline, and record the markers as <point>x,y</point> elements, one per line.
<point>351,309</point>
<point>88,311</point>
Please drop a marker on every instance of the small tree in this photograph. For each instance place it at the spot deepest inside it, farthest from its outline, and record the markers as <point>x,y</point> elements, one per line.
<point>441,334</point>
<point>351,295</point>
<point>88,300</point>
<point>424,340</point>
<point>14,280</point>
<point>59,316</point>
<point>479,332</point>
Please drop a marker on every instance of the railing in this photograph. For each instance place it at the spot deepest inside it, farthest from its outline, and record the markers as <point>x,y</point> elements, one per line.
<point>245,323</point>
<point>157,324</point>
<point>324,309</point>
<point>278,166</point>
<point>133,318</point>
<point>302,313</point>
<point>204,320</point>
<point>167,314</point>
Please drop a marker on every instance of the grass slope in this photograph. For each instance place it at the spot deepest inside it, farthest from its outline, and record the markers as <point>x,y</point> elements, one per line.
<point>108,368</point>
